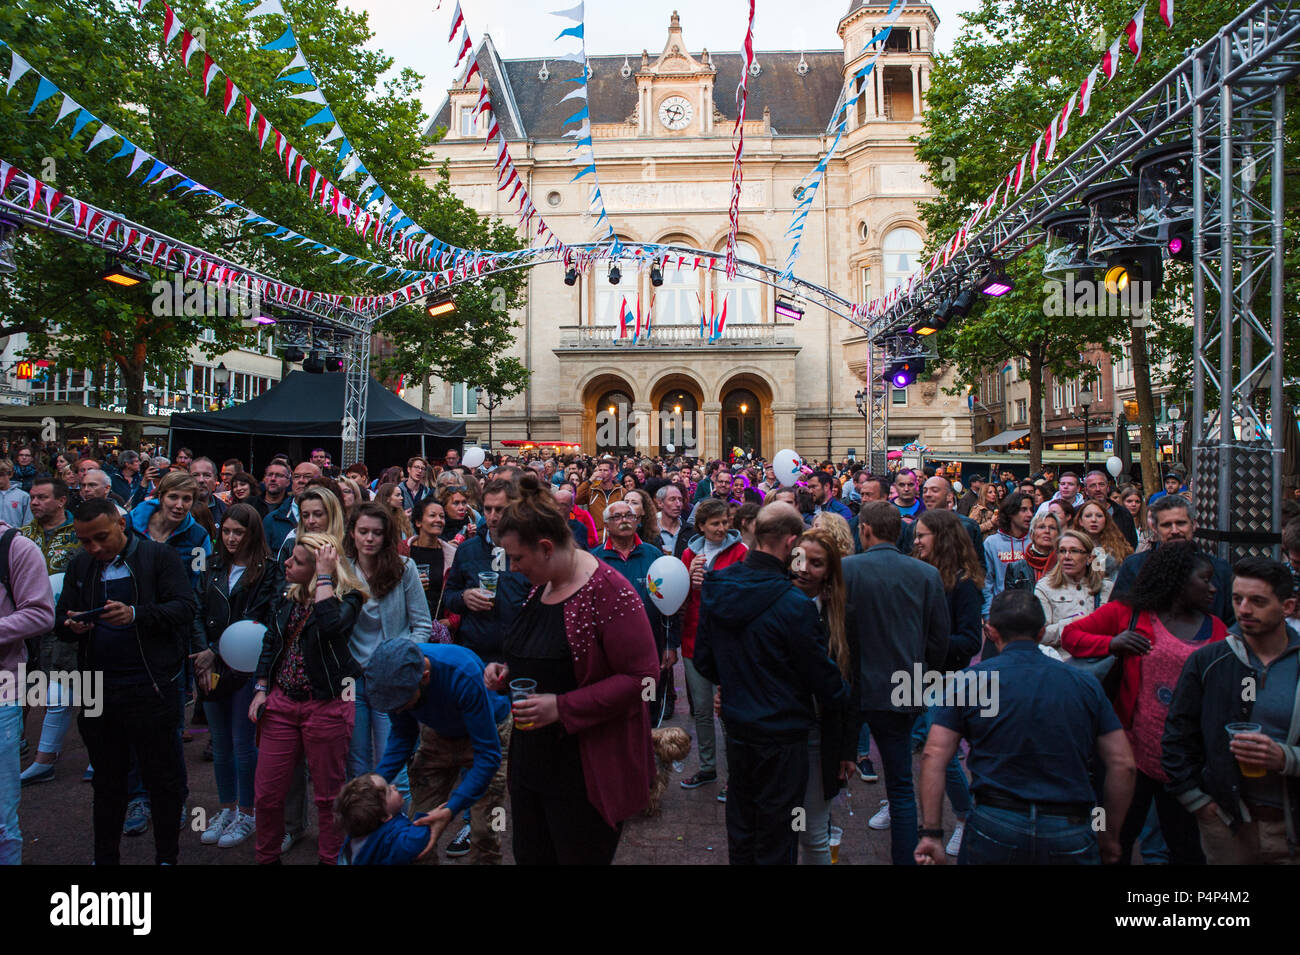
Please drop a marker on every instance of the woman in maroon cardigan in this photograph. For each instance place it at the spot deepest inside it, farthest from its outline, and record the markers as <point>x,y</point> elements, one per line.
<point>581,759</point>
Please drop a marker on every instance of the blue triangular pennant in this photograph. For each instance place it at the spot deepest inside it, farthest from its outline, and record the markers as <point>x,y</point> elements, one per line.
<point>44,90</point>
<point>285,42</point>
<point>326,115</point>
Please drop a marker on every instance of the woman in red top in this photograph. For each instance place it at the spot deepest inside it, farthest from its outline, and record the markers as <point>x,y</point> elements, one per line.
<point>714,547</point>
<point>581,759</point>
<point>1153,629</point>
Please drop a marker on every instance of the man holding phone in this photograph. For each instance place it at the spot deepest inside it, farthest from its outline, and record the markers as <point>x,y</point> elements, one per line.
<point>127,605</point>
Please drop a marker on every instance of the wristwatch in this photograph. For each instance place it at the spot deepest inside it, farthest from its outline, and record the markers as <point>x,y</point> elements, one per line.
<point>930,834</point>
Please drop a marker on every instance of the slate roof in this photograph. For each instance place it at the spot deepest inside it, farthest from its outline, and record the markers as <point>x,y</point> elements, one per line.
<point>530,108</point>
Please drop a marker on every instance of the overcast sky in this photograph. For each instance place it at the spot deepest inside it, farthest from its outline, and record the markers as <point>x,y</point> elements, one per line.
<point>416,36</point>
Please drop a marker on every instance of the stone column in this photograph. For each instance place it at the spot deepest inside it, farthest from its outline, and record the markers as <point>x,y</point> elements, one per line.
<point>783,413</point>
<point>878,89</point>
<point>571,423</point>
<point>710,441</point>
<point>916,90</point>
<point>646,432</point>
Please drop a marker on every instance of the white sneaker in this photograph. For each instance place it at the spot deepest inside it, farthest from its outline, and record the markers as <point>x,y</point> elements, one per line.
<point>287,843</point>
<point>239,829</point>
<point>217,827</point>
<point>954,844</point>
<point>881,819</point>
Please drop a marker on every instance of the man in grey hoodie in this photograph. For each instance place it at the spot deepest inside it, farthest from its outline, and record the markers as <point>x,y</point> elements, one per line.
<point>15,503</point>
<point>1007,545</point>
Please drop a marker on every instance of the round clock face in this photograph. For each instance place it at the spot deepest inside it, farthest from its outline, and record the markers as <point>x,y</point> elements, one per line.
<point>675,112</point>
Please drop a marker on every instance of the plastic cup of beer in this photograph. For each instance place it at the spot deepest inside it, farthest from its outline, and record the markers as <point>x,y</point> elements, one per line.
<point>487,582</point>
<point>1236,729</point>
<point>423,570</point>
<point>837,834</point>
<point>522,689</point>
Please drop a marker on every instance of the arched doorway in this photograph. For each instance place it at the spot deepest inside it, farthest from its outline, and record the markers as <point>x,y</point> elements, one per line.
<point>676,399</point>
<point>741,422</point>
<point>608,423</point>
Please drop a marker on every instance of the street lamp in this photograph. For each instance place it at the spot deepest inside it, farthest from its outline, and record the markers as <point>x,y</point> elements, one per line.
<point>863,399</point>
<point>221,378</point>
<point>1085,399</point>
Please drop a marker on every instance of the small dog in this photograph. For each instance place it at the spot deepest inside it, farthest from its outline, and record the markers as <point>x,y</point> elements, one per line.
<point>671,744</point>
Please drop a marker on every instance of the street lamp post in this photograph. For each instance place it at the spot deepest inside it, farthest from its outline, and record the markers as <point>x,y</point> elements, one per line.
<point>1085,399</point>
<point>863,400</point>
<point>221,378</point>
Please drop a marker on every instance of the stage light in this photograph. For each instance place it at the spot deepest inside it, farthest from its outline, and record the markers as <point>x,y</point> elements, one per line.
<point>1065,246</point>
<point>441,307</point>
<point>656,275</point>
<point>124,274</point>
<point>964,302</point>
<point>1129,266</point>
<point>334,362</point>
<point>995,282</point>
<point>615,273</point>
<point>903,371</point>
<point>314,364</point>
<point>571,276</point>
<point>788,310</point>
<point>1165,203</point>
<point>293,354</point>
<point>1175,245</point>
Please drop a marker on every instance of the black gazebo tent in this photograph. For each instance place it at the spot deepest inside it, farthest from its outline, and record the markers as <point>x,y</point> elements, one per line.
<point>306,411</point>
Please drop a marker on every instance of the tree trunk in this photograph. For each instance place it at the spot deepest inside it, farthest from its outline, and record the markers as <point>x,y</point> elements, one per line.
<point>491,408</point>
<point>131,367</point>
<point>426,383</point>
<point>1035,410</point>
<point>1146,407</point>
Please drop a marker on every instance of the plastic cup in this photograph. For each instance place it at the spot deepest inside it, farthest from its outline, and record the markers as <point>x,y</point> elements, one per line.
<point>487,581</point>
<point>837,834</point>
<point>522,689</point>
<point>424,574</point>
<point>1234,730</point>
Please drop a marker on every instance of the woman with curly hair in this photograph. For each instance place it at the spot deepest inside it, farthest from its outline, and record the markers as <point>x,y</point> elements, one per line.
<point>832,743</point>
<point>838,529</point>
<point>647,515</point>
<point>1153,629</point>
<point>1095,521</point>
<point>985,511</point>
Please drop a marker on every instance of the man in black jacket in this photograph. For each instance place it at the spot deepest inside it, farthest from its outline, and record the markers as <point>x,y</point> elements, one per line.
<point>141,592</point>
<point>760,639</point>
<point>1243,786</point>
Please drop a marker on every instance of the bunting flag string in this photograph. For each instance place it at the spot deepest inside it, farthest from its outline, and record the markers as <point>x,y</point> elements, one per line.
<point>1049,140</point>
<point>839,123</point>
<point>584,151</point>
<point>738,137</point>
<point>160,171</point>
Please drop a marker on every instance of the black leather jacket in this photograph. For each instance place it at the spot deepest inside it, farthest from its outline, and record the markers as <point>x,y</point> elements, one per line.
<point>219,607</point>
<point>325,644</point>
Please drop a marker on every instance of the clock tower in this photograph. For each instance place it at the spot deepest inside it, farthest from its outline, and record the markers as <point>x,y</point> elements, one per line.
<point>675,92</point>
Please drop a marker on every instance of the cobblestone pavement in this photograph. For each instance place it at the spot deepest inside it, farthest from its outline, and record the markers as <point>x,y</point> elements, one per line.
<point>690,829</point>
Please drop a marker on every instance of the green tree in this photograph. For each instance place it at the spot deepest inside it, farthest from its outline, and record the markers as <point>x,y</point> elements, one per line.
<point>1013,66</point>
<point>109,57</point>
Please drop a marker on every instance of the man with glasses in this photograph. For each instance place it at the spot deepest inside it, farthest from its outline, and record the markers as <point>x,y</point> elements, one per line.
<point>413,489</point>
<point>630,556</point>
<point>279,522</point>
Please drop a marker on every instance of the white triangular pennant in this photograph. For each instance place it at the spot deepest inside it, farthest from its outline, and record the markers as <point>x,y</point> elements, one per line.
<point>69,104</point>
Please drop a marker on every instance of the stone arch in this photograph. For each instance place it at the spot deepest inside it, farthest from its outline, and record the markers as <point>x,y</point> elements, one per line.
<point>684,428</point>
<point>731,426</point>
<point>592,387</point>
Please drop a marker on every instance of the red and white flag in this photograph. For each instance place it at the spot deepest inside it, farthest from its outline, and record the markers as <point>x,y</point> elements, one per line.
<point>1049,138</point>
<point>1110,60</point>
<point>1085,90</point>
<point>1033,157</point>
<point>457,20</point>
<point>1020,172</point>
<point>1167,13</point>
<point>1134,31</point>
<point>171,26</point>
<point>210,71</point>
<point>1066,110</point>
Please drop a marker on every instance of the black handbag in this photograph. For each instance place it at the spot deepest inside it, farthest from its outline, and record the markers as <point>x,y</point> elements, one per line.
<point>1107,670</point>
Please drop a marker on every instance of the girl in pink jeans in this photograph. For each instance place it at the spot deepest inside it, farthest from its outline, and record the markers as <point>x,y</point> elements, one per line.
<point>303,700</point>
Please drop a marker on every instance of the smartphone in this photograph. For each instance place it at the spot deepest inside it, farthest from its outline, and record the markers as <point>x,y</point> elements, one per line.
<point>88,615</point>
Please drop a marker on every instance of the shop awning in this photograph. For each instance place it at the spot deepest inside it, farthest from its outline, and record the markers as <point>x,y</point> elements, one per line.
<point>1005,438</point>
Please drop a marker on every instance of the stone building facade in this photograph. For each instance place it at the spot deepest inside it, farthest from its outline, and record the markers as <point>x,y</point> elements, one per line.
<point>661,125</point>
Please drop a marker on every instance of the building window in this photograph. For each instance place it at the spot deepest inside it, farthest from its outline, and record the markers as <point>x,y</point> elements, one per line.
<point>677,301</point>
<point>1058,395</point>
<point>902,256</point>
<point>1022,410</point>
<point>743,297</point>
<point>468,126</point>
<point>1022,367</point>
<point>866,285</point>
<point>464,399</point>
<point>898,395</point>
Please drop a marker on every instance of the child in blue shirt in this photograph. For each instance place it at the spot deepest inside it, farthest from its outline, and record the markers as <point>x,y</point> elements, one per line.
<point>370,812</point>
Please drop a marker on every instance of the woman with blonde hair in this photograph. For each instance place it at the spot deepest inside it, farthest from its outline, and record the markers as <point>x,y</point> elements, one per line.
<point>985,511</point>
<point>1095,521</point>
<point>832,743</point>
<point>839,531</point>
<point>351,494</point>
<point>319,512</point>
<point>1074,588</point>
<point>302,699</point>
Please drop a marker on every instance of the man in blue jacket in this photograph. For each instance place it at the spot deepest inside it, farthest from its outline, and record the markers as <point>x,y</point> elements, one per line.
<point>630,556</point>
<point>434,694</point>
<point>484,620</point>
<point>761,640</point>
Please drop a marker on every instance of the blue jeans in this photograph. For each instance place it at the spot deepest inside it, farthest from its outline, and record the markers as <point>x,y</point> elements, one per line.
<point>370,740</point>
<point>11,837</point>
<point>234,757</point>
<point>1007,837</point>
<point>893,733</point>
<point>815,839</point>
<point>955,784</point>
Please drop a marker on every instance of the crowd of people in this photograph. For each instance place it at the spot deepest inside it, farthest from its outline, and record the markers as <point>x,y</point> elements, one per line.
<point>444,647</point>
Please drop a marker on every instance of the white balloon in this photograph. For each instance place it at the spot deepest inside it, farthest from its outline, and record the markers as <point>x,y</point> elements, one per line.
<point>669,582</point>
<point>786,464</point>
<point>670,449</point>
<point>473,457</point>
<point>1114,465</point>
<point>241,645</point>
<point>56,584</point>
<point>958,487</point>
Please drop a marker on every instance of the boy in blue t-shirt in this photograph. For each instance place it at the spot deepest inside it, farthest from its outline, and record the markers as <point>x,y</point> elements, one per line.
<point>370,812</point>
